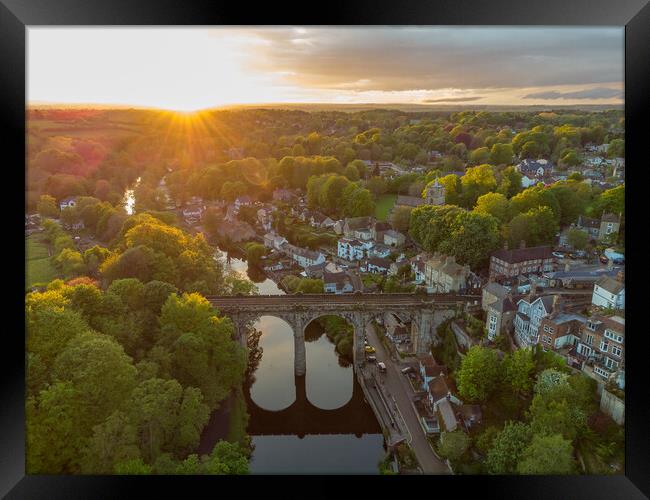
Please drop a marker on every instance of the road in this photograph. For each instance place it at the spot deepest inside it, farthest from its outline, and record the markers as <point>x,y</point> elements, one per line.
<point>401,391</point>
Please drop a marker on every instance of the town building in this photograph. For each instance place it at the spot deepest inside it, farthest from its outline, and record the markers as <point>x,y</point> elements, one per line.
<point>353,249</point>
<point>435,194</point>
<point>378,265</point>
<point>274,241</point>
<point>491,293</point>
<point>380,250</point>
<point>530,312</point>
<point>69,202</point>
<point>506,263</point>
<point>534,168</point>
<point>499,316</point>
<point>560,329</point>
<point>350,225</point>
<point>282,194</point>
<point>601,348</point>
<point>609,292</point>
<point>379,228</point>
<point>193,213</point>
<point>444,275</point>
<point>394,238</point>
<point>418,267</point>
<point>303,256</point>
<point>341,281</point>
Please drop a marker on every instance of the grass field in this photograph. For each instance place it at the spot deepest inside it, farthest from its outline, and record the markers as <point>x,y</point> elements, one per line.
<point>384,205</point>
<point>39,269</point>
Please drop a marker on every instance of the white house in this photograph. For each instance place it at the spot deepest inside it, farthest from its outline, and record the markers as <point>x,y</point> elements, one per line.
<point>530,312</point>
<point>69,202</point>
<point>378,265</point>
<point>274,241</point>
<point>353,249</point>
<point>609,292</point>
<point>303,256</point>
<point>394,238</point>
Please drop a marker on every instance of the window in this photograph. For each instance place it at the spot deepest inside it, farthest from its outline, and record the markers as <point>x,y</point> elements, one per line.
<point>616,351</point>
<point>604,345</point>
<point>611,335</point>
<point>590,339</point>
<point>611,364</point>
<point>546,338</point>
<point>598,370</point>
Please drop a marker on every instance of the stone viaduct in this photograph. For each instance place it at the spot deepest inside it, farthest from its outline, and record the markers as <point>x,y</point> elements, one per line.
<point>426,312</point>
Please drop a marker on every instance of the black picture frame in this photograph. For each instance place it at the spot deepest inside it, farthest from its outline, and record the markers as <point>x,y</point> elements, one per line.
<point>17,15</point>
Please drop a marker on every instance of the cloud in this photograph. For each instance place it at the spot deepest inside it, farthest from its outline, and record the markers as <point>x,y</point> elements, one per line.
<point>454,99</point>
<point>407,58</point>
<point>595,93</point>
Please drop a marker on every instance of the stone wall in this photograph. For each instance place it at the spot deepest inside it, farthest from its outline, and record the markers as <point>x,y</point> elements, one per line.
<point>613,406</point>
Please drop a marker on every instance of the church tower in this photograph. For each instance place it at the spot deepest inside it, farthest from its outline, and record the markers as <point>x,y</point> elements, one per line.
<point>436,194</point>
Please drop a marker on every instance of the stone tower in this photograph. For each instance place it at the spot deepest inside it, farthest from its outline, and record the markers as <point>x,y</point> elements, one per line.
<point>436,194</point>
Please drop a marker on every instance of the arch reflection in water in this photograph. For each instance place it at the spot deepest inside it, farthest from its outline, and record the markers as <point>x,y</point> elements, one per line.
<point>274,387</point>
<point>329,377</point>
<point>305,439</point>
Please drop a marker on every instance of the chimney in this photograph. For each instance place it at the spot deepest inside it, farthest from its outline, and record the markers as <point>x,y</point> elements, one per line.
<point>610,264</point>
<point>522,244</point>
<point>620,276</point>
<point>558,304</point>
<point>567,267</point>
<point>533,291</point>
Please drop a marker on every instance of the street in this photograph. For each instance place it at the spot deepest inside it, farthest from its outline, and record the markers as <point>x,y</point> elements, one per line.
<point>401,394</point>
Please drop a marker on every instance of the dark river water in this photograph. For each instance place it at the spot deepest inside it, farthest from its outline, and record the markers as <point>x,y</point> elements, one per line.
<point>319,423</point>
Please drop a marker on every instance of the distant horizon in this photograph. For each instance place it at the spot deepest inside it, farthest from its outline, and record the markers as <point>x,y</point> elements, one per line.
<point>365,105</point>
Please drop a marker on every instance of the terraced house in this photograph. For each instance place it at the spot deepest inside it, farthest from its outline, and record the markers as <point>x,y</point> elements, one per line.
<point>601,349</point>
<point>505,263</point>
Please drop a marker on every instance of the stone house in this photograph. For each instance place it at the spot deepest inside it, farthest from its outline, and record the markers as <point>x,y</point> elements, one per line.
<point>610,292</point>
<point>443,275</point>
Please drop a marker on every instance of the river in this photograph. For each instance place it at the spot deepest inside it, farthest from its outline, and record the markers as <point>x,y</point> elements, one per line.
<point>129,198</point>
<point>319,423</point>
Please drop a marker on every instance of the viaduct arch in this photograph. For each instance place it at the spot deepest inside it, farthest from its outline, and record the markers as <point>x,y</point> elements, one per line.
<point>425,311</point>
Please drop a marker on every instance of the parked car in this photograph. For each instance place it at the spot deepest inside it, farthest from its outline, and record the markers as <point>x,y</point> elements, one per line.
<point>369,349</point>
<point>407,370</point>
<point>372,359</point>
<point>381,366</point>
<point>559,255</point>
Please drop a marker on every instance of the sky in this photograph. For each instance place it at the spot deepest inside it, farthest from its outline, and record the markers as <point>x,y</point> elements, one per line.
<point>188,69</point>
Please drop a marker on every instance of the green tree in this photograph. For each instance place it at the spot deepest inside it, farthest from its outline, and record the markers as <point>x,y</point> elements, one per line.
<point>472,238</point>
<point>495,204</point>
<point>202,349</point>
<point>518,369</point>
<point>501,154</point>
<point>357,201</point>
<point>254,252</point>
<point>536,227</point>
<point>476,182</point>
<point>400,218</point>
<point>577,238</point>
<point>507,448</point>
<point>510,183</point>
<point>478,374</point>
<point>616,148</point>
<point>47,206</point>
<point>479,155</point>
<point>547,455</point>
<point>453,445</point>
<point>112,442</point>
<point>377,185</point>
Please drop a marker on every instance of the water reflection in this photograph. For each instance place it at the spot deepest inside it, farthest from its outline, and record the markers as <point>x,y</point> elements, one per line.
<point>129,198</point>
<point>273,388</point>
<point>329,385</point>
